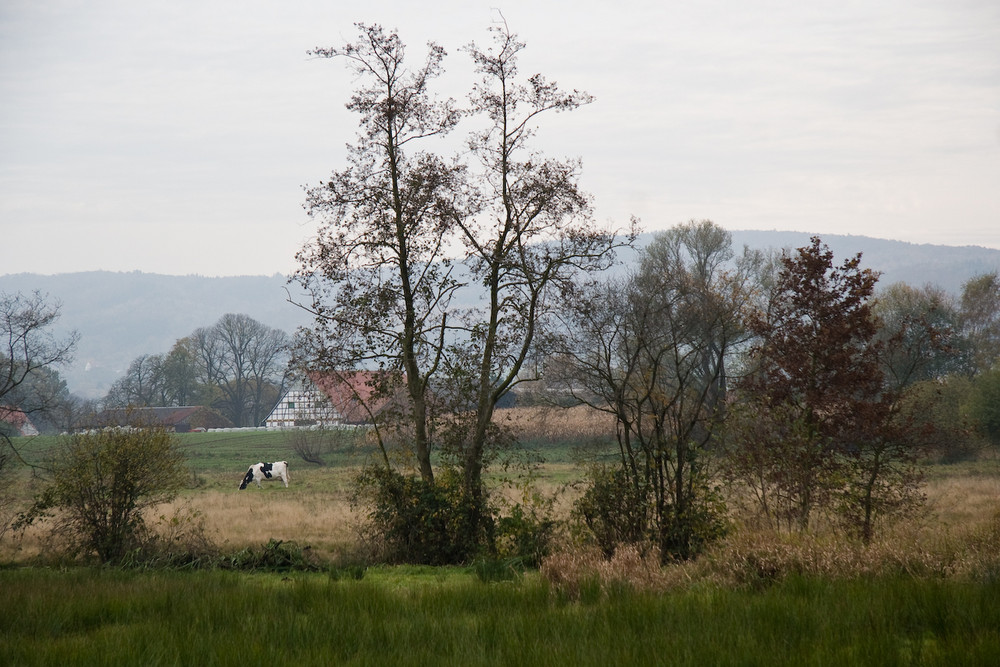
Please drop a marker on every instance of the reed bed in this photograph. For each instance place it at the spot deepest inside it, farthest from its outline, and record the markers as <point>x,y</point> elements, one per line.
<point>551,425</point>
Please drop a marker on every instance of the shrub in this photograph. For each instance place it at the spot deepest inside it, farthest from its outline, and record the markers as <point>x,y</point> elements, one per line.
<point>313,445</point>
<point>413,521</point>
<point>526,528</point>
<point>614,511</point>
<point>276,555</point>
<point>175,541</point>
<point>103,481</point>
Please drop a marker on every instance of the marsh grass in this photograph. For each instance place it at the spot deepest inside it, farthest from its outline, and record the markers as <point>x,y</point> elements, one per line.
<point>422,616</point>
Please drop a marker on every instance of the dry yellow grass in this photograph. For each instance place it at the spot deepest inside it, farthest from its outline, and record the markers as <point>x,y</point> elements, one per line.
<point>321,520</point>
<point>545,424</point>
<point>315,511</point>
<point>958,533</point>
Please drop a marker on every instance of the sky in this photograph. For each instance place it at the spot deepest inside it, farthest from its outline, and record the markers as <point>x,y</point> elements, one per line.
<point>176,136</point>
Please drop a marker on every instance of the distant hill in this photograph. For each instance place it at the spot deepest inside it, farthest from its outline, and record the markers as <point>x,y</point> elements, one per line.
<point>123,315</point>
<point>948,267</point>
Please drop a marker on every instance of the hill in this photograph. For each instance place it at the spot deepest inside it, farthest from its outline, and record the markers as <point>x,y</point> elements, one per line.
<point>123,315</point>
<point>947,267</point>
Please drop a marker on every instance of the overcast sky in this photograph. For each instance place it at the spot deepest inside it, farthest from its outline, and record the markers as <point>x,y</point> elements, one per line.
<point>175,136</point>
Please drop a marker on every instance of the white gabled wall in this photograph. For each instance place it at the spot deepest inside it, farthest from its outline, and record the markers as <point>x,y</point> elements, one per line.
<point>302,404</point>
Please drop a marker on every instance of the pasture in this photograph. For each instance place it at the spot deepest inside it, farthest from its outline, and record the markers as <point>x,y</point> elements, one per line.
<point>927,593</point>
<point>316,508</point>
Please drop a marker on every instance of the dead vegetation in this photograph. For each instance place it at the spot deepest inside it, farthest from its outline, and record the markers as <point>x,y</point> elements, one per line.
<point>957,534</point>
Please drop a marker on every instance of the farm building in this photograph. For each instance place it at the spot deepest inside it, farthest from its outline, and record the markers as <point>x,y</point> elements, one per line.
<point>15,422</point>
<point>327,399</point>
<point>180,419</point>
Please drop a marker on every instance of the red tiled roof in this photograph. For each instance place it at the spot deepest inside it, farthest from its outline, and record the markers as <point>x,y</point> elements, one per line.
<point>355,395</point>
<point>12,415</point>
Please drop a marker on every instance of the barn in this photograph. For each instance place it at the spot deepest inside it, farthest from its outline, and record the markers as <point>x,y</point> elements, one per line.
<point>14,421</point>
<point>328,399</point>
<point>180,419</point>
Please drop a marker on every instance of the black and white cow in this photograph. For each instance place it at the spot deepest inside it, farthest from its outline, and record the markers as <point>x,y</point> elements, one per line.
<point>259,472</point>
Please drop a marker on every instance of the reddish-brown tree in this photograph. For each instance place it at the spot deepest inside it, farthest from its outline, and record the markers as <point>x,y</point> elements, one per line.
<point>817,397</point>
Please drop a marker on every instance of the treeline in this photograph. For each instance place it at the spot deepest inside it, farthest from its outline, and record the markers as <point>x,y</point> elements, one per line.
<point>786,377</point>
<point>237,366</point>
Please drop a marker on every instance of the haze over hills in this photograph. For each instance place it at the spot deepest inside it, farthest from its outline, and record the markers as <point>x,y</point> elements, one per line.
<point>122,315</point>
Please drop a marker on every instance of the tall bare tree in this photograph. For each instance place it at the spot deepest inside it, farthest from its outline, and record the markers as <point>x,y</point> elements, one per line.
<point>245,357</point>
<point>379,277</point>
<point>29,350</point>
<point>142,385</point>
<point>382,284</point>
<point>652,351</point>
<point>383,288</point>
<point>29,354</point>
<point>532,238</point>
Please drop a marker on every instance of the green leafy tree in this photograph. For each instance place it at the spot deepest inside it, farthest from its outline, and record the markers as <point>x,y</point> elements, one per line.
<point>920,327</point>
<point>180,375</point>
<point>984,405</point>
<point>104,481</point>
<point>980,321</point>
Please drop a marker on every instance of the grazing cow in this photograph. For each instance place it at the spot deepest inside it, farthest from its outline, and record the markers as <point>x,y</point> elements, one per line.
<point>259,472</point>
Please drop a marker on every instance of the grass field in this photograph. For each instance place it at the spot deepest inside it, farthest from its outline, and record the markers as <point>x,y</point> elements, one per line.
<point>422,616</point>
<point>927,593</point>
<point>315,509</point>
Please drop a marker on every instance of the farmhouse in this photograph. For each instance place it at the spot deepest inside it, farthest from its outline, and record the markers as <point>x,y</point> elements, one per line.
<point>327,399</point>
<point>15,422</point>
<point>180,419</point>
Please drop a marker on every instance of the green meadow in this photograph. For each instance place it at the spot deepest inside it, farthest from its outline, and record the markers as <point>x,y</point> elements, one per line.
<point>424,616</point>
<point>928,594</point>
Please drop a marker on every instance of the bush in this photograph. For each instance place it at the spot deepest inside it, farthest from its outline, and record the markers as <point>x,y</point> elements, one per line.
<point>102,482</point>
<point>413,521</point>
<point>617,510</point>
<point>613,510</point>
<point>525,534</point>
<point>175,541</point>
<point>276,555</point>
<point>313,445</point>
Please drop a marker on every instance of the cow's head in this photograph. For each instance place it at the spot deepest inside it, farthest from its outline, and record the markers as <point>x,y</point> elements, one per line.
<point>247,478</point>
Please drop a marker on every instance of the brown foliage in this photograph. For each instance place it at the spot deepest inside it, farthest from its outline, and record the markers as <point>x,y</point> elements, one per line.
<point>820,424</point>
